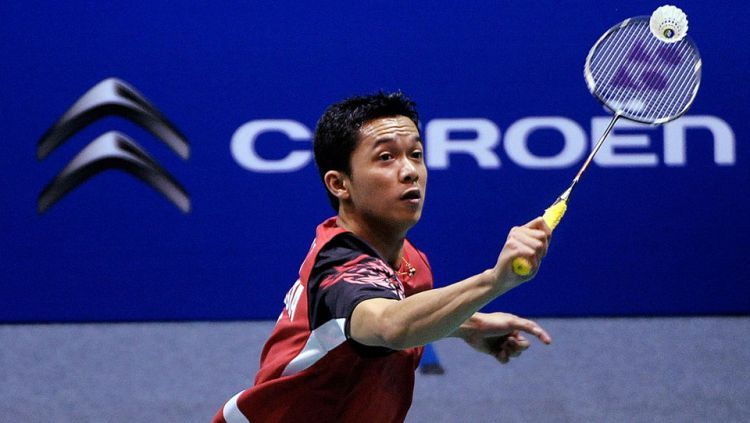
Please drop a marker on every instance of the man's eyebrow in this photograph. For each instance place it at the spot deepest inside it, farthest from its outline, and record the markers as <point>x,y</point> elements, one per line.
<point>385,140</point>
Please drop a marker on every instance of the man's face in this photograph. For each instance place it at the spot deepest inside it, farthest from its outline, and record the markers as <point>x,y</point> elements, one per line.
<point>388,174</point>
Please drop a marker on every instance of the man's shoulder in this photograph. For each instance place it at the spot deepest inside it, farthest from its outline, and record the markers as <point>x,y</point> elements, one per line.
<point>333,246</point>
<point>343,249</point>
<point>327,230</point>
<point>332,240</point>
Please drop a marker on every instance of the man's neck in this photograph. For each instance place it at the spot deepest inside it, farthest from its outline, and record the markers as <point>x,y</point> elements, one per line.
<point>389,243</point>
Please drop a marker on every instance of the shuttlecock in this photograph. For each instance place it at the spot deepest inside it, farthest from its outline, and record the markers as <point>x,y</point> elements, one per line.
<point>669,24</point>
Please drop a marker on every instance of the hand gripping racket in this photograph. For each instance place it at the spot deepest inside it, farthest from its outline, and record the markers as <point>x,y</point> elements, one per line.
<point>644,69</point>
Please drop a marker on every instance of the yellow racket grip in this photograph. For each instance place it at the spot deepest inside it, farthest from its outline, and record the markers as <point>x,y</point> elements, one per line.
<point>552,217</point>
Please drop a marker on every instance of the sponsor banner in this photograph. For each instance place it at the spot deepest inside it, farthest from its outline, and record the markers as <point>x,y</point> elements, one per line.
<point>159,163</point>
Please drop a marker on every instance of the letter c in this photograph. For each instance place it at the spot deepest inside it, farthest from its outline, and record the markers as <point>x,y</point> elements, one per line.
<point>243,145</point>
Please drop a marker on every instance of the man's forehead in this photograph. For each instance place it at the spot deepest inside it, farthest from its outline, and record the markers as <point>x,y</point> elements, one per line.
<point>388,126</point>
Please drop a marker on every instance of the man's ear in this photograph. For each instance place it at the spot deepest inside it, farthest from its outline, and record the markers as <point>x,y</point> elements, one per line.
<point>337,183</point>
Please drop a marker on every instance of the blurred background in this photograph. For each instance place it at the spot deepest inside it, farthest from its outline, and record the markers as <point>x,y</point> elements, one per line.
<point>651,239</point>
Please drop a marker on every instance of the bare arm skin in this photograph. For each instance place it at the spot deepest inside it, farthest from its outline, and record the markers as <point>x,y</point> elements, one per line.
<point>437,313</point>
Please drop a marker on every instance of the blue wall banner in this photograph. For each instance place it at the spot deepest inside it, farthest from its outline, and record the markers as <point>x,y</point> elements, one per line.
<point>158,162</point>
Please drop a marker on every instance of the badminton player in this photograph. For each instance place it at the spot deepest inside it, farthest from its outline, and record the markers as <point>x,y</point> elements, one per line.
<point>350,335</point>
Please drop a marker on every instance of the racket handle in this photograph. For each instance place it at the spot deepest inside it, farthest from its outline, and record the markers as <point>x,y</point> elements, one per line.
<point>552,217</point>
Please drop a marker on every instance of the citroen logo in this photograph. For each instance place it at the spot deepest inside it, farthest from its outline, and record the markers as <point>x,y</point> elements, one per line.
<point>112,150</point>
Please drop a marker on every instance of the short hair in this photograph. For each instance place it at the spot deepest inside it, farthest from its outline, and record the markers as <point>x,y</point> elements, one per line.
<point>337,131</point>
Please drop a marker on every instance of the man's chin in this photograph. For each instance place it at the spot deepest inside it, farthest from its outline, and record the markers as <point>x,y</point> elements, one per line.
<point>410,219</point>
<point>397,219</point>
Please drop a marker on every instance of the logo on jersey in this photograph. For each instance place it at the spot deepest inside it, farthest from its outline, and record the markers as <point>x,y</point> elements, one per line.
<point>365,270</point>
<point>292,299</point>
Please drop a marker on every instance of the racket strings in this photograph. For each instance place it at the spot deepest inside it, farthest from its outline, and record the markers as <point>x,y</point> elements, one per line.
<point>687,86</point>
<point>668,102</point>
<point>613,58</point>
<point>635,59</point>
<point>606,60</point>
<point>603,61</point>
<point>640,77</point>
<point>630,62</point>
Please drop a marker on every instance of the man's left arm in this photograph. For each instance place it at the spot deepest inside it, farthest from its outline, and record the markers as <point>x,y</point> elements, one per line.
<point>499,334</point>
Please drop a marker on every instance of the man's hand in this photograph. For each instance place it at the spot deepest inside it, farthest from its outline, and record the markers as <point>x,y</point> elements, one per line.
<point>499,334</point>
<point>529,241</point>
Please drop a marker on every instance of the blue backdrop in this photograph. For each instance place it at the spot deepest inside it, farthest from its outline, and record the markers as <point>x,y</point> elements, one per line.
<point>654,235</point>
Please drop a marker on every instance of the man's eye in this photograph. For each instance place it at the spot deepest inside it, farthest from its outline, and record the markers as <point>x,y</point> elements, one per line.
<point>417,154</point>
<point>385,156</point>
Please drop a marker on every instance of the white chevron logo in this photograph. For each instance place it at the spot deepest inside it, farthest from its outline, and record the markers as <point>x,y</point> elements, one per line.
<point>112,150</point>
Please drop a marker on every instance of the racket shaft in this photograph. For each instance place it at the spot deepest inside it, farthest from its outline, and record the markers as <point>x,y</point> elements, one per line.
<point>555,212</point>
<point>596,148</point>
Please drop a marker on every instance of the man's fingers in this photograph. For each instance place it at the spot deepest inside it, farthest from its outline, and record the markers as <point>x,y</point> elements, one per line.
<point>511,326</point>
<point>537,234</point>
<point>514,350</point>
<point>532,328</point>
<point>531,238</point>
<point>511,349</point>
<point>536,241</point>
<point>518,342</point>
<point>502,356</point>
<point>503,335</point>
<point>539,229</point>
<point>528,242</point>
<point>540,224</point>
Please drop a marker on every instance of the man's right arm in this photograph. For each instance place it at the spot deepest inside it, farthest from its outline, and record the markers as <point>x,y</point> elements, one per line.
<point>431,315</point>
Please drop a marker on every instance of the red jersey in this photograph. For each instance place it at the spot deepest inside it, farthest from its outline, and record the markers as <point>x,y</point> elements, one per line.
<point>310,368</point>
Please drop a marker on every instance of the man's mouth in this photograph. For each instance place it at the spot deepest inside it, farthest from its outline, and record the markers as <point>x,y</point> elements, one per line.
<point>412,194</point>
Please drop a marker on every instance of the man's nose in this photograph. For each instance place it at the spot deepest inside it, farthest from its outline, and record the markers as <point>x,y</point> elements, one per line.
<point>409,171</point>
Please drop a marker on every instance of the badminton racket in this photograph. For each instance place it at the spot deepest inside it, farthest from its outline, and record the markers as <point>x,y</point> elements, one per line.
<point>645,69</point>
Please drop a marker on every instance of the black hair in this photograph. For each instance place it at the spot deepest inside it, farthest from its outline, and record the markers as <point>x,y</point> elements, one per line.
<point>337,131</point>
